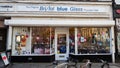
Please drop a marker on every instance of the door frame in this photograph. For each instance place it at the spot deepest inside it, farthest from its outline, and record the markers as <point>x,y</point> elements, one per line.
<point>62,31</point>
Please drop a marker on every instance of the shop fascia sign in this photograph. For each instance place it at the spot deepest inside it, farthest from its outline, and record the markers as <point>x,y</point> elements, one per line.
<point>43,8</point>
<point>6,8</point>
<point>49,8</point>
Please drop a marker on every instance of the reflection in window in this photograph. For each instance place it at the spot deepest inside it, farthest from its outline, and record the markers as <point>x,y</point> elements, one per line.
<point>72,40</point>
<point>93,40</point>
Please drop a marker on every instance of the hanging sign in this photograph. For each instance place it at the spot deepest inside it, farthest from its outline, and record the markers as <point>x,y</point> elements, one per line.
<point>4,58</point>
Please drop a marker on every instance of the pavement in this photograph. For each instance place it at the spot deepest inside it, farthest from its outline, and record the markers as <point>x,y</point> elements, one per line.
<point>50,65</point>
<point>1,64</point>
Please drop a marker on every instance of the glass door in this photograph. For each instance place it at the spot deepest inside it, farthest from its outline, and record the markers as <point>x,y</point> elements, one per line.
<point>62,45</point>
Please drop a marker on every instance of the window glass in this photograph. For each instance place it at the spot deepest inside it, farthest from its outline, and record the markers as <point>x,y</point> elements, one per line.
<point>40,40</point>
<point>52,40</point>
<point>21,35</point>
<point>93,40</point>
<point>72,40</point>
<point>33,40</point>
<point>61,44</point>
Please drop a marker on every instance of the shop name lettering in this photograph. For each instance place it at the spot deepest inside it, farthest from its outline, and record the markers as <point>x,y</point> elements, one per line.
<point>62,9</point>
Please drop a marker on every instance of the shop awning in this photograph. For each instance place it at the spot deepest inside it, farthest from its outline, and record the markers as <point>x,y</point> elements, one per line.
<point>53,22</point>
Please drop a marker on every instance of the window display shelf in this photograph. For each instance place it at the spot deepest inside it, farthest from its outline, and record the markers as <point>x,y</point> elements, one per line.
<point>35,55</point>
<point>93,54</point>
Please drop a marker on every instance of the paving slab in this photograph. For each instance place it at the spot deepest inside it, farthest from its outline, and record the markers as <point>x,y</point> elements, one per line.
<point>1,64</point>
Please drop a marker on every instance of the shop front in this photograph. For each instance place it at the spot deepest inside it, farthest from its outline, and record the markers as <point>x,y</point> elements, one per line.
<point>47,33</point>
<point>59,42</point>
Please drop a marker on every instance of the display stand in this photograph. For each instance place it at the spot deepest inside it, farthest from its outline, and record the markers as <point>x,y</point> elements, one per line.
<point>5,59</point>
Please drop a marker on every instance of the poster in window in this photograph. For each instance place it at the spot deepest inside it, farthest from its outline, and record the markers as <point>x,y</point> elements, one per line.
<point>18,38</point>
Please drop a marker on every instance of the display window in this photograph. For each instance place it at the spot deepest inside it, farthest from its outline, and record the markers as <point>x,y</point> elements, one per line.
<point>93,40</point>
<point>33,40</point>
<point>72,40</point>
<point>40,40</point>
<point>21,39</point>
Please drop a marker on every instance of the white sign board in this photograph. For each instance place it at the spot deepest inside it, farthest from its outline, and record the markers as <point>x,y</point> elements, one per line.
<point>53,8</point>
<point>117,1</point>
<point>49,8</point>
<point>6,8</point>
<point>4,58</point>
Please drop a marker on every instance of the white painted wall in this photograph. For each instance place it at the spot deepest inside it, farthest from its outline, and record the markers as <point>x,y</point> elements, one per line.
<point>99,9</point>
<point>9,38</point>
<point>62,22</point>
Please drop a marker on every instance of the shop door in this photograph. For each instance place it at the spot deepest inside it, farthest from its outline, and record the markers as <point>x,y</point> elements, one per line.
<point>3,35</point>
<point>61,47</point>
